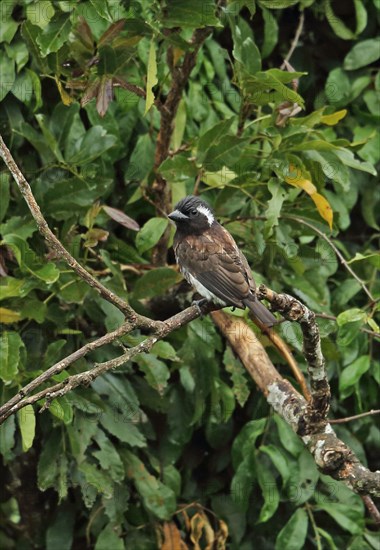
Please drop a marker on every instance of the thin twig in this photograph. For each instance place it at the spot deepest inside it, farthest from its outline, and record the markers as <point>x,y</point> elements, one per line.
<point>362,329</point>
<point>85,378</point>
<point>61,366</point>
<point>372,509</point>
<point>337,252</point>
<point>295,40</point>
<point>355,417</point>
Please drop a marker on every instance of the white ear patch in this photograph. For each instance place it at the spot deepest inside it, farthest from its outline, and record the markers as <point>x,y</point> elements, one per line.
<point>206,212</point>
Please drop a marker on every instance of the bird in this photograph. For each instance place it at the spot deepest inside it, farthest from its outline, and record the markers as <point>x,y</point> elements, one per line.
<point>211,261</point>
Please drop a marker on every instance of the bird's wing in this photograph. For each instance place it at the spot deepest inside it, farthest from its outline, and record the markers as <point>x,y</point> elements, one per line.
<point>214,259</point>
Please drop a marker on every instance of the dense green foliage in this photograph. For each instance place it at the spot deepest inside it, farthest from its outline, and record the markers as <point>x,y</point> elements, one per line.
<point>184,424</point>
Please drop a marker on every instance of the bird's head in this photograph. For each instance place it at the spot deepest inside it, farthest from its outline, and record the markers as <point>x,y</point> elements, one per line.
<point>192,215</point>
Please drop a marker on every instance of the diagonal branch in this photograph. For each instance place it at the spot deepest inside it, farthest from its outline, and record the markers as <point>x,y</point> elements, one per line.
<point>20,400</point>
<point>58,247</point>
<point>61,366</point>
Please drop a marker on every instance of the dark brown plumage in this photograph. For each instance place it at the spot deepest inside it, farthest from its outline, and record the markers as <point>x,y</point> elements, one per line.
<point>211,261</point>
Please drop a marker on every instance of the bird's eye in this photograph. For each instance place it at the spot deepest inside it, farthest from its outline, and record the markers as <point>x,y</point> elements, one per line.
<point>194,212</point>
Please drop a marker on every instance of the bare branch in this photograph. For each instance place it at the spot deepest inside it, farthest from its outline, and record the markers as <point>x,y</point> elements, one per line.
<point>8,408</point>
<point>295,41</point>
<point>355,417</point>
<point>20,400</point>
<point>372,509</point>
<point>293,310</point>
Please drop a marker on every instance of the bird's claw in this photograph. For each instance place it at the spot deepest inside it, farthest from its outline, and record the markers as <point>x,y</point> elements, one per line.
<point>198,304</point>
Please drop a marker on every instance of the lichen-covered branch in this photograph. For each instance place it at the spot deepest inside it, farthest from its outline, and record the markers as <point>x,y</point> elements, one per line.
<point>293,310</point>
<point>332,456</point>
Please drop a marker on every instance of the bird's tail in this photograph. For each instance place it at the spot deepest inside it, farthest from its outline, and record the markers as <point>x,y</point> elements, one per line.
<point>261,312</point>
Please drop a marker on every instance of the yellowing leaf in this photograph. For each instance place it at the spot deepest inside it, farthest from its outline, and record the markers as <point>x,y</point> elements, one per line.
<point>66,99</point>
<point>323,208</point>
<point>9,316</point>
<point>151,79</point>
<point>302,183</point>
<point>295,178</point>
<point>334,118</point>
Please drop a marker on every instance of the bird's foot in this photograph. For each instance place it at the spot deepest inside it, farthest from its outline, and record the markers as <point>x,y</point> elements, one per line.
<point>198,304</point>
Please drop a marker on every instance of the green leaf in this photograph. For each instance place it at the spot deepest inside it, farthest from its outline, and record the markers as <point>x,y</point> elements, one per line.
<point>273,210</point>
<point>269,86</point>
<point>157,497</point>
<point>4,194</point>
<point>269,491</point>
<point>54,34</point>
<point>164,350</point>
<point>40,13</point>
<point>270,33</point>
<point>61,409</point>
<point>108,456</point>
<point>340,28</point>
<point>246,439</point>
<point>156,372</point>
<point>109,539</point>
<point>122,426</point>
<point>92,145</point>
<point>7,75</point>
<point>10,345</point>
<point>27,424</point>
<point>178,168</point>
<point>28,260</point>
<point>60,533</point>
<point>7,438</point>
<point>293,535</point>
<point>179,13</point>
<point>350,316</point>
<point>212,137</point>
<point>338,87</point>
<point>245,50</point>
<point>102,9</point>
<point>347,157</point>
<point>151,79</point>
<point>10,287</point>
<point>362,54</point>
<point>277,4</point>
<point>290,441</point>
<point>224,153</point>
<point>279,459</point>
<point>155,282</point>
<point>352,374</point>
<point>347,517</point>
<point>150,234</point>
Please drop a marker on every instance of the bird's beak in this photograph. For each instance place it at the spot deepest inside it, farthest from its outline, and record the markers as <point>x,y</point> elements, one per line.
<point>177,216</point>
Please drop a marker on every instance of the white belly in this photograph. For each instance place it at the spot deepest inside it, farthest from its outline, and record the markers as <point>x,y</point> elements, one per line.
<point>202,289</point>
